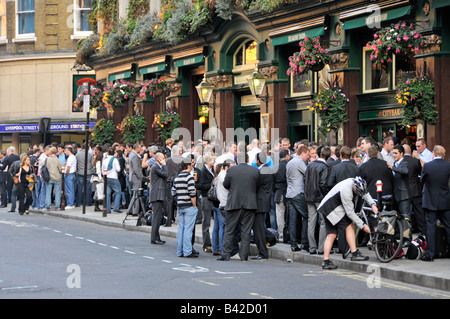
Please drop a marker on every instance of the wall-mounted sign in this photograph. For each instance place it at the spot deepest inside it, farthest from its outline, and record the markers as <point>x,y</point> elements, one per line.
<point>34,128</point>
<point>381,114</point>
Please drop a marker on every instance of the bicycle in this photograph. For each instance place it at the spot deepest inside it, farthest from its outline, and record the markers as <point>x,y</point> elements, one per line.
<point>387,236</point>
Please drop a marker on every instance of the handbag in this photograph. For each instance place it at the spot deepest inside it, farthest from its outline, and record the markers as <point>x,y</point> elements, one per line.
<point>100,191</point>
<point>17,177</point>
<point>212,195</point>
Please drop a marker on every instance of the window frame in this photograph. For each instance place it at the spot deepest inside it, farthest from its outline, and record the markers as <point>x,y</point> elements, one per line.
<point>3,16</point>
<point>25,36</point>
<point>77,34</point>
<point>391,74</point>
<point>244,64</point>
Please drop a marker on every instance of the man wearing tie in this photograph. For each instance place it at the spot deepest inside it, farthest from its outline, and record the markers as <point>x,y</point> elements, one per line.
<point>401,184</point>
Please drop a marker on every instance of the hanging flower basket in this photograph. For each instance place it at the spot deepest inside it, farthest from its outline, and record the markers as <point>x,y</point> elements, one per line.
<point>103,131</point>
<point>96,99</point>
<point>416,96</point>
<point>165,123</point>
<point>133,128</point>
<point>311,57</point>
<point>116,94</point>
<point>330,104</point>
<point>153,87</point>
<point>399,39</point>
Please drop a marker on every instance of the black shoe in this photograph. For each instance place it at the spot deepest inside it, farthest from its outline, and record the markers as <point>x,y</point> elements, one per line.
<point>258,257</point>
<point>158,242</point>
<point>3,206</point>
<point>11,211</point>
<point>295,248</point>
<point>427,258</point>
<point>223,259</point>
<point>117,211</point>
<point>191,256</point>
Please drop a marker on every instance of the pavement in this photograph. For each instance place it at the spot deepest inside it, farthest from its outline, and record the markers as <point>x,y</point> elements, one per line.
<point>434,274</point>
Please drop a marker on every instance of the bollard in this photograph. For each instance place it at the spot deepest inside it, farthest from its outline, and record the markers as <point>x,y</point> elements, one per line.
<point>105,186</point>
<point>379,194</point>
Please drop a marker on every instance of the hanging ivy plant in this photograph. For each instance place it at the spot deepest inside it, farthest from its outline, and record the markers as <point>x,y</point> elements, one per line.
<point>165,123</point>
<point>119,92</point>
<point>133,128</point>
<point>417,99</point>
<point>330,104</point>
<point>153,87</point>
<point>103,131</point>
<point>96,99</point>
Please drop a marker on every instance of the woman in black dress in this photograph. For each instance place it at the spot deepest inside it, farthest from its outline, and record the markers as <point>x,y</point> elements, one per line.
<point>23,191</point>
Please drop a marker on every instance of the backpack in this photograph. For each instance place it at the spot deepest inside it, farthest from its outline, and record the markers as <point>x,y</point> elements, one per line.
<point>45,174</point>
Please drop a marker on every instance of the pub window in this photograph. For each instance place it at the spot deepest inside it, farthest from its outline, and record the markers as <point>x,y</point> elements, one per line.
<point>2,19</point>
<point>25,18</point>
<point>405,68</point>
<point>376,77</point>
<point>246,54</point>
<point>301,84</point>
<point>82,8</point>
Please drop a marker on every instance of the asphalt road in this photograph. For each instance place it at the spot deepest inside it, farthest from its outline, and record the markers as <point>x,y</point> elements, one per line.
<point>56,258</point>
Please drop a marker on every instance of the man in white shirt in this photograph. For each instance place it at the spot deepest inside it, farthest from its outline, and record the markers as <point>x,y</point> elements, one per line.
<point>253,151</point>
<point>422,153</point>
<point>386,152</point>
<point>112,167</point>
<point>69,178</point>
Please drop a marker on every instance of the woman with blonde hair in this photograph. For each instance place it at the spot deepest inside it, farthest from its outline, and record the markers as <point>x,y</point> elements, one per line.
<point>23,191</point>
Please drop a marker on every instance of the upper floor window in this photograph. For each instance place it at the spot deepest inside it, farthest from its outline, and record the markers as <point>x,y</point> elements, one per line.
<point>2,18</point>
<point>82,8</point>
<point>246,54</point>
<point>25,18</point>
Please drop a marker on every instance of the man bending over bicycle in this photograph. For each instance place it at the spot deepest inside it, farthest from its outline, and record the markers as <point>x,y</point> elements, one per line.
<point>338,210</point>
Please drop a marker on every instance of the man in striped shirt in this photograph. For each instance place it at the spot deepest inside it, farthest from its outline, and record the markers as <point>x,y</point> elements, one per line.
<point>185,193</point>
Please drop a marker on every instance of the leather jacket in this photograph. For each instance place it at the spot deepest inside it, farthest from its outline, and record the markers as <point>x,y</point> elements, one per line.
<point>316,177</point>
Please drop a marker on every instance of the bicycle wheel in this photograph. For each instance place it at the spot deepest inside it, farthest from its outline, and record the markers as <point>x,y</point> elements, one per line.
<point>387,247</point>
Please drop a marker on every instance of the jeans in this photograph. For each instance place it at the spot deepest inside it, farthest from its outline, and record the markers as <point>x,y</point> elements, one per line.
<point>41,194</point>
<point>80,190</point>
<point>298,212</point>
<point>56,186</point>
<point>14,197</point>
<point>186,222</point>
<point>113,185</point>
<point>69,185</point>
<point>218,230</point>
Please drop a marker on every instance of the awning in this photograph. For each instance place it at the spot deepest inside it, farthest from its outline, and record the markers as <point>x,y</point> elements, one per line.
<point>190,60</point>
<point>297,36</point>
<point>440,3</point>
<point>155,68</point>
<point>373,18</point>
<point>119,76</point>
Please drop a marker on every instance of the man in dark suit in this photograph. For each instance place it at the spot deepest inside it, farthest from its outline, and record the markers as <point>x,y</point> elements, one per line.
<point>375,169</point>
<point>401,182</point>
<point>401,187</point>
<point>343,170</point>
<point>242,182</point>
<point>415,189</point>
<point>263,205</point>
<point>436,197</point>
<point>158,189</point>
<point>10,158</point>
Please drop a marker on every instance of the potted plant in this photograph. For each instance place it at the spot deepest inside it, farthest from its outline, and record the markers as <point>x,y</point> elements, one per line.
<point>103,131</point>
<point>96,99</point>
<point>133,128</point>
<point>330,104</point>
<point>119,92</point>
<point>311,57</point>
<point>165,123</point>
<point>153,87</point>
<point>417,99</point>
<point>399,38</point>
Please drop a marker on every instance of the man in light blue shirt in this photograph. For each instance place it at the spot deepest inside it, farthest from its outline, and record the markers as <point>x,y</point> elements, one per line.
<point>423,153</point>
<point>295,176</point>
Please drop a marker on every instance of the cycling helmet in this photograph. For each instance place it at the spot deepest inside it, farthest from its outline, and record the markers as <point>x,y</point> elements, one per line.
<point>359,186</point>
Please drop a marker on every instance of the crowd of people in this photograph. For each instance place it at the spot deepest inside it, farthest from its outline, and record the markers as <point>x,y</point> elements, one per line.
<point>303,194</point>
